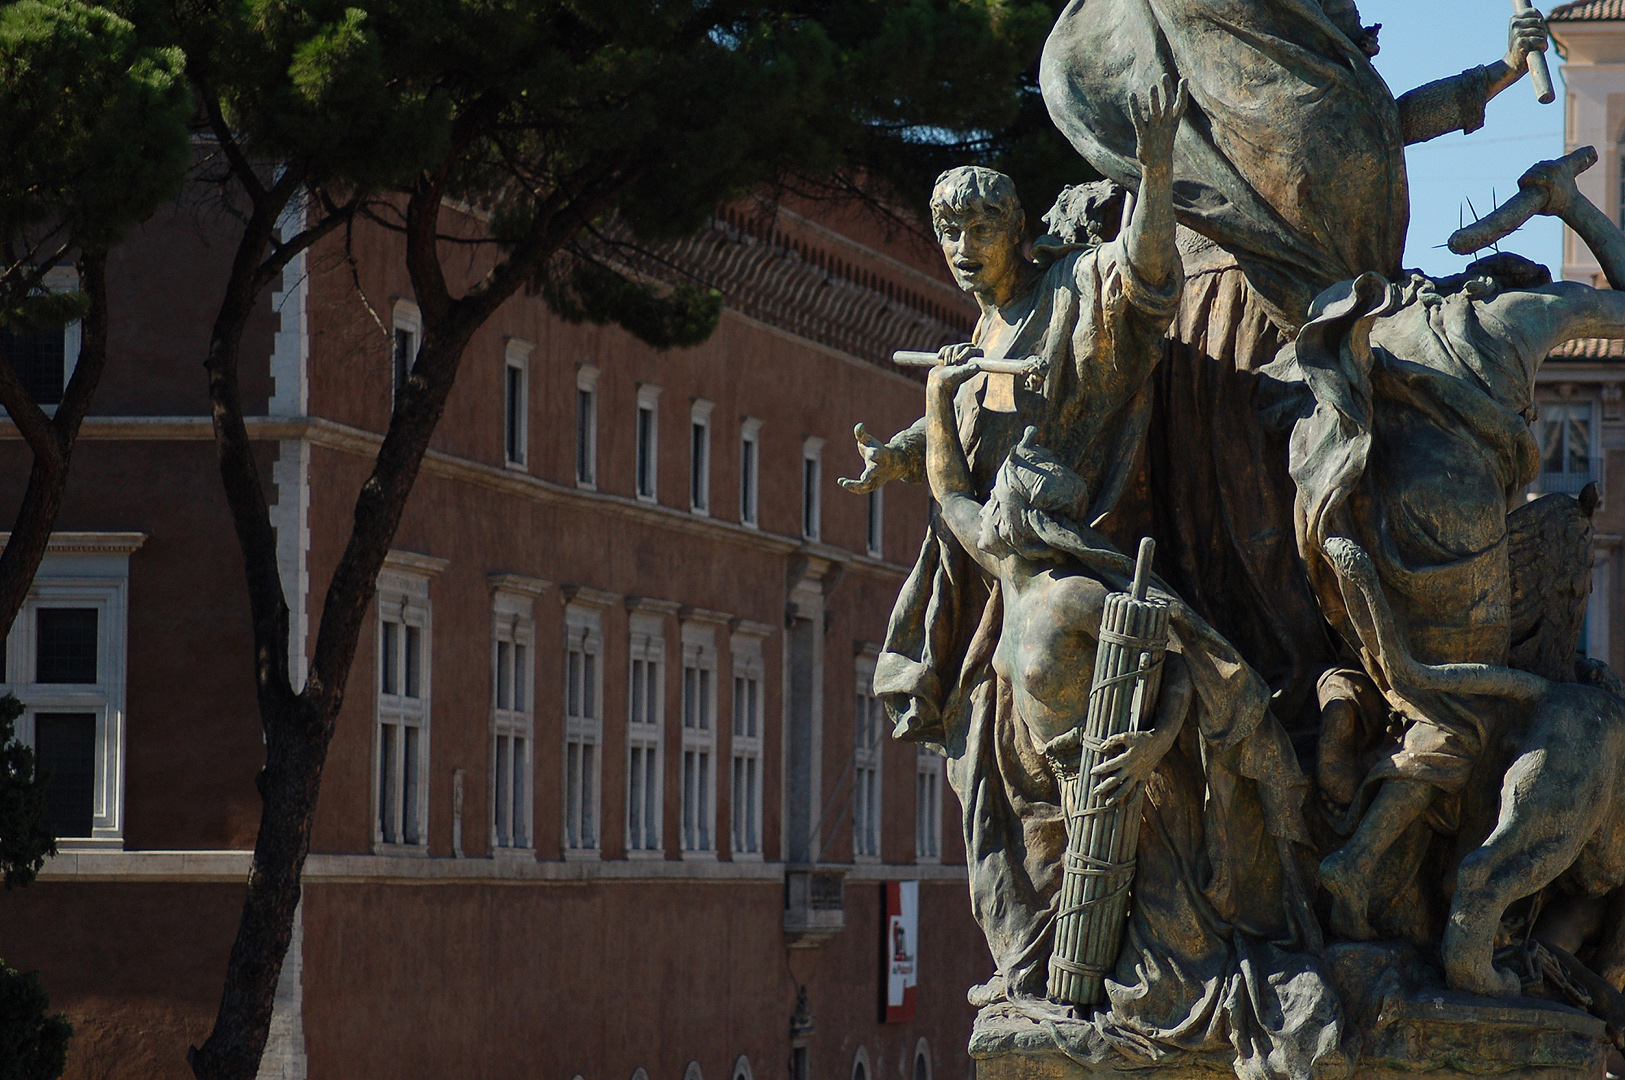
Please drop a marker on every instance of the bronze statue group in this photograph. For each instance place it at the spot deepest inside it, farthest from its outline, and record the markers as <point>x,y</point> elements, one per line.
<point>1374,749</point>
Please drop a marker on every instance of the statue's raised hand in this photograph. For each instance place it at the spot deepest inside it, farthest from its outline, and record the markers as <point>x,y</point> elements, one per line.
<point>1156,121</point>
<point>1525,34</point>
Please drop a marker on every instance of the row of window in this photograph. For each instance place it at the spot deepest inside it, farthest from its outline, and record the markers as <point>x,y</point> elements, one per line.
<point>515,412</point>
<point>401,743</point>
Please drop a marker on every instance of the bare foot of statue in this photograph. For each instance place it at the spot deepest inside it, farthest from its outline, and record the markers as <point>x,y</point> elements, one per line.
<point>982,995</point>
<point>1338,877</point>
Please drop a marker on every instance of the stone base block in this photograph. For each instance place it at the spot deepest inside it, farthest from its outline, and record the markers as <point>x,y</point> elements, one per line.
<point>1436,1035</point>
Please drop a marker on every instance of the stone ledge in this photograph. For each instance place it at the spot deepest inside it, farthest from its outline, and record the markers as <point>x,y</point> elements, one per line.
<point>232,866</point>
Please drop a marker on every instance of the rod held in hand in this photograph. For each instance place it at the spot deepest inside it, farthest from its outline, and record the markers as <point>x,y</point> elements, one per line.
<point>1540,73</point>
<point>1142,567</point>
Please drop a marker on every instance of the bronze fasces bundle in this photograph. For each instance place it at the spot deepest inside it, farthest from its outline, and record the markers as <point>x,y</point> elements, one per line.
<point>1102,831</point>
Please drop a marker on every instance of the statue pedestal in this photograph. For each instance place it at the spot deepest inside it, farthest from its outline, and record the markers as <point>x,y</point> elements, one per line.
<point>1427,1035</point>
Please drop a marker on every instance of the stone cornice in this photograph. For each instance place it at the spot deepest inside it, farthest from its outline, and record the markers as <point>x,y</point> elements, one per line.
<point>499,581</point>
<point>89,543</point>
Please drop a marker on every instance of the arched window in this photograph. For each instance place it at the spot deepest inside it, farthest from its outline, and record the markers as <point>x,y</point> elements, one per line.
<point>922,1060</point>
<point>640,1073</point>
<point>742,1069</point>
<point>692,1072</point>
<point>860,1065</point>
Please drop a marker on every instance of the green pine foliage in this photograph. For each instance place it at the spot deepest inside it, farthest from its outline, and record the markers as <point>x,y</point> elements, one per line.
<point>94,131</point>
<point>25,838</point>
<point>33,1041</point>
<point>548,115</point>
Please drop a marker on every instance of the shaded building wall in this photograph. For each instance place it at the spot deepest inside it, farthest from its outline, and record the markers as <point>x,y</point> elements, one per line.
<point>429,963</point>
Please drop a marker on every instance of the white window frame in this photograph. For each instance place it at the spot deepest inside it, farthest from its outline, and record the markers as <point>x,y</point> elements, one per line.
<point>645,729</point>
<point>581,788</point>
<point>862,1068</point>
<point>586,445</point>
<point>812,488</point>
<point>1566,482</point>
<point>81,570</point>
<point>922,1053</point>
<point>928,781</point>
<point>697,772</point>
<point>64,279</point>
<point>646,451</point>
<point>745,748</point>
<point>875,524</point>
<point>403,599</point>
<point>699,464</point>
<point>404,317</point>
<point>512,789</point>
<point>516,421</point>
<point>867,766</point>
<point>750,472</point>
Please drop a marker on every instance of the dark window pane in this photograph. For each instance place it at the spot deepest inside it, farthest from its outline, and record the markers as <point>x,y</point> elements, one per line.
<point>646,419</point>
<point>404,353</point>
<point>66,747</point>
<point>584,447</point>
<point>67,645</point>
<point>515,418</point>
<point>40,362</point>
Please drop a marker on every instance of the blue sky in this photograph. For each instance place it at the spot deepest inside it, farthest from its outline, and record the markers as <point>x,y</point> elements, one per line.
<point>1423,40</point>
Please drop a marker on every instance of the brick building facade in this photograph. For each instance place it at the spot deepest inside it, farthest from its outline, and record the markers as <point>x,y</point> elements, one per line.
<point>609,785</point>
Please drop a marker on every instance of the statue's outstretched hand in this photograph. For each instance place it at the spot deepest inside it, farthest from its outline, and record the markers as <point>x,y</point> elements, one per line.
<point>1156,121</point>
<point>882,463</point>
<point>1526,34</point>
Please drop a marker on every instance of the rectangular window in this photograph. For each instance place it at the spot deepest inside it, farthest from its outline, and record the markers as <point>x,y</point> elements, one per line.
<point>586,426</point>
<point>812,451</point>
<point>583,726</point>
<point>1566,432</point>
<point>65,749</point>
<point>750,444</point>
<point>746,774</point>
<point>699,457</point>
<point>402,709</point>
<point>515,402</point>
<point>646,711</point>
<point>65,660</point>
<point>44,360</point>
<point>877,525</point>
<point>513,636</point>
<point>67,640</point>
<point>648,434</point>
<point>928,806</point>
<point>699,738</point>
<point>40,361</point>
<point>405,339</point>
<point>868,729</point>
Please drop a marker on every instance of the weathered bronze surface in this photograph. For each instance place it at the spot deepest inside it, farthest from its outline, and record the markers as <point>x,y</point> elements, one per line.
<point>1380,797</point>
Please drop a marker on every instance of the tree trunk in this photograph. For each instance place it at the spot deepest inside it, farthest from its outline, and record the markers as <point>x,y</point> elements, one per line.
<point>299,726</point>
<point>52,440</point>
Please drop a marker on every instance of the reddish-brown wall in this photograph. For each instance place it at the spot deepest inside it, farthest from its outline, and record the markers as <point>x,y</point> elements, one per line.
<point>600,979</point>
<point>137,968</point>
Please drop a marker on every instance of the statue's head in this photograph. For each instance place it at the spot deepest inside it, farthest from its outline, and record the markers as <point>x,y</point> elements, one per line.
<point>1035,502</point>
<point>981,226</point>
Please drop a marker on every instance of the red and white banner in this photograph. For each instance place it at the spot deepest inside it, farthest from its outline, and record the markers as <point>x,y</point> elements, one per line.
<point>899,954</point>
